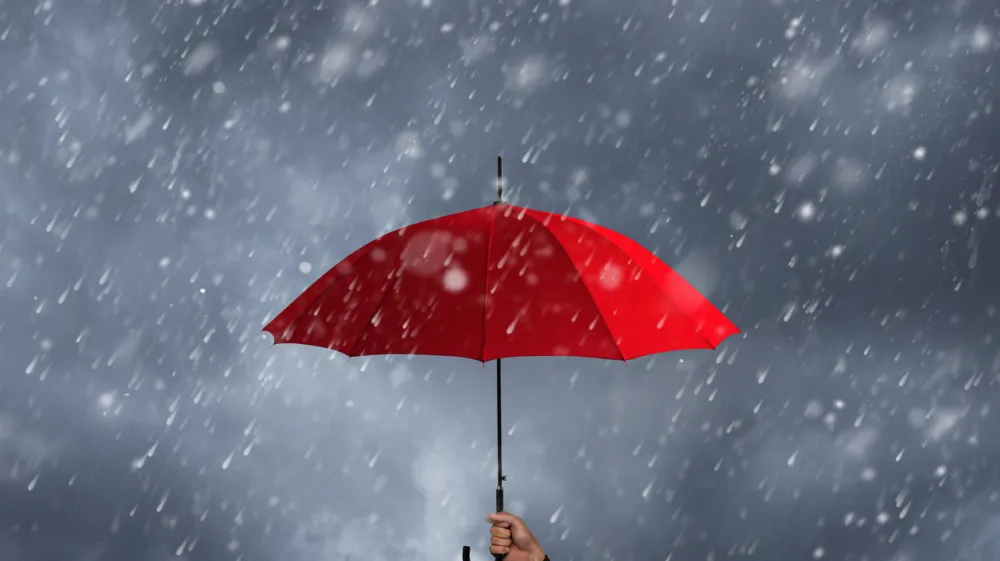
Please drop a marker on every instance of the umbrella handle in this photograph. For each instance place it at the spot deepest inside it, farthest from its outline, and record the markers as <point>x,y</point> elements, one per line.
<point>499,556</point>
<point>496,556</point>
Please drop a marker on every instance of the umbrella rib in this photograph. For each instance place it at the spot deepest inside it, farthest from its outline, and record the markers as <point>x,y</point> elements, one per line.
<point>600,313</point>
<point>486,278</point>
<point>622,251</point>
<point>360,254</point>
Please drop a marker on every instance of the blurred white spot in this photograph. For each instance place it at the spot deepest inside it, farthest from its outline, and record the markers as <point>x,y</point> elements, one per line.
<point>408,145</point>
<point>305,267</point>
<point>873,36</point>
<point>849,173</point>
<point>960,217</point>
<point>138,128</point>
<point>942,422</point>
<point>199,58</point>
<point>281,43</point>
<point>475,48</point>
<point>106,401</point>
<point>371,62</point>
<point>455,280</point>
<point>336,62</point>
<point>919,153</point>
<point>737,221</point>
<point>814,409</point>
<point>699,271</point>
<point>858,443</point>
<point>611,276</point>
<point>806,211</point>
<point>517,508</point>
<point>900,91</point>
<point>427,253</point>
<point>835,251</point>
<point>164,262</point>
<point>379,255</point>
<point>528,75</point>
<point>981,39</point>
<point>399,375</point>
<point>218,87</point>
<point>623,119</point>
<point>800,168</point>
<point>359,21</point>
<point>804,78</point>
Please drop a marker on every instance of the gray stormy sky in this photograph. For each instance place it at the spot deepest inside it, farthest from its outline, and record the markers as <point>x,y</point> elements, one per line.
<point>173,173</point>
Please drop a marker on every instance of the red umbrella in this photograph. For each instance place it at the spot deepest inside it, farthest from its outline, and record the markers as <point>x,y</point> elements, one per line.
<point>498,282</point>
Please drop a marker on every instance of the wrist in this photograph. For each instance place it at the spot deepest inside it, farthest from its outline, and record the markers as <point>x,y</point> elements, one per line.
<point>538,555</point>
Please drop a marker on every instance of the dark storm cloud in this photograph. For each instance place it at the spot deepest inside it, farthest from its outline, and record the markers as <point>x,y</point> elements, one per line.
<point>174,173</point>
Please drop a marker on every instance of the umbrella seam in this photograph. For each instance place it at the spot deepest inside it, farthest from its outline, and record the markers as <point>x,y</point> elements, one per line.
<point>600,312</point>
<point>326,288</point>
<point>486,278</point>
<point>628,256</point>
<point>381,303</point>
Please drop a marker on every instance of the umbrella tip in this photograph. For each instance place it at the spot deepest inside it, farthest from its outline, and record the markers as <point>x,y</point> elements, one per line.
<point>499,179</point>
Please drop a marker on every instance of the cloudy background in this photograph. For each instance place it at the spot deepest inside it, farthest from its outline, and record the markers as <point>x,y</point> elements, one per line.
<point>173,173</point>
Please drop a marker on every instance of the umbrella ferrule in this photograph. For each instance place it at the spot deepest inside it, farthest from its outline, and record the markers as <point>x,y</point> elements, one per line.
<point>499,181</point>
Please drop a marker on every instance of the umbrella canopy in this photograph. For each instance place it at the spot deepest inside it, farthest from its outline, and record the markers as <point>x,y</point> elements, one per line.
<point>497,282</point>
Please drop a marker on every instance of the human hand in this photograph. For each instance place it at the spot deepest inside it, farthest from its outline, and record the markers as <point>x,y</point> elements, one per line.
<point>510,536</point>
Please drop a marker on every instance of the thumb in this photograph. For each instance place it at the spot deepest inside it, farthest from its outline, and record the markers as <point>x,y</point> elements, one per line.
<point>504,518</point>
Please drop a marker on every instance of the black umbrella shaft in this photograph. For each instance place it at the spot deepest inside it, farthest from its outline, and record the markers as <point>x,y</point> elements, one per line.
<point>500,477</point>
